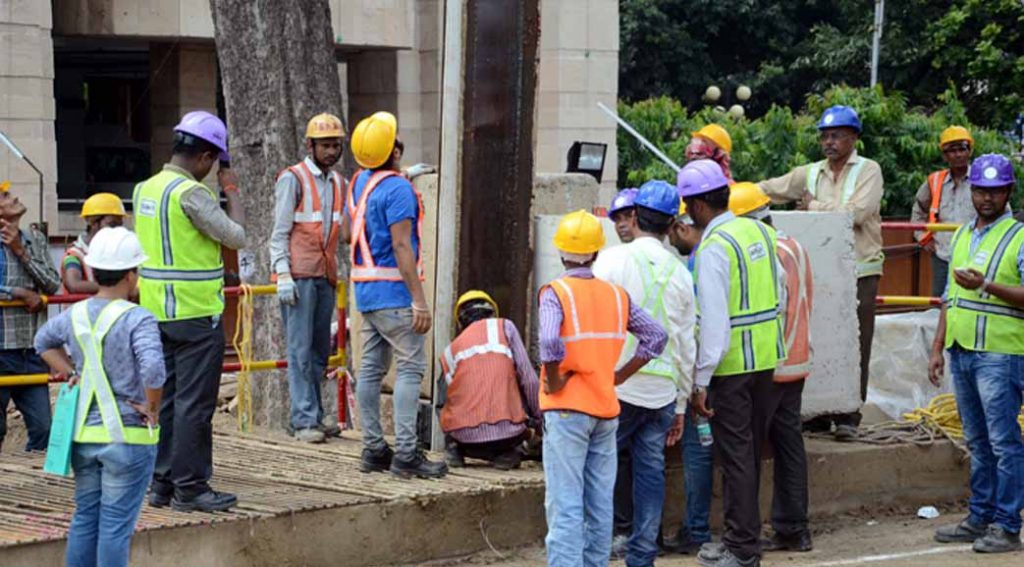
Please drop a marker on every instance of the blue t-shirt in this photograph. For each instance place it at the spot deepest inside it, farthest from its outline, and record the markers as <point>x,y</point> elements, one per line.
<point>393,201</point>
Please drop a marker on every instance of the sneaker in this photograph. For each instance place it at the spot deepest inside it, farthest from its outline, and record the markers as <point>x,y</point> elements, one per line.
<point>711,551</point>
<point>964,532</point>
<point>997,540</point>
<point>309,435</point>
<point>620,543</point>
<point>330,429</point>
<point>417,465</point>
<point>376,460</point>
<point>727,559</point>
<point>158,500</point>
<point>681,543</point>
<point>209,501</point>
<point>845,432</point>
<point>800,542</point>
<point>508,460</point>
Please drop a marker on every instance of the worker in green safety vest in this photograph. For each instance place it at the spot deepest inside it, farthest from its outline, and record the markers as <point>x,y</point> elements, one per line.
<point>981,327</point>
<point>182,228</point>
<point>739,286</point>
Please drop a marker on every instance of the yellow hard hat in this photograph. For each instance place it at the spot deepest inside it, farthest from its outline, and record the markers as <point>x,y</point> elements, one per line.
<point>955,134</point>
<point>373,140</point>
<point>102,204</point>
<point>717,136</point>
<point>475,295</point>
<point>579,233</point>
<point>682,208</point>
<point>324,126</point>
<point>5,186</point>
<point>746,197</point>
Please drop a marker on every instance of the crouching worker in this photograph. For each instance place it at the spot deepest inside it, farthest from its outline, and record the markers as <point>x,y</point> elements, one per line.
<point>488,392</point>
<point>118,364</point>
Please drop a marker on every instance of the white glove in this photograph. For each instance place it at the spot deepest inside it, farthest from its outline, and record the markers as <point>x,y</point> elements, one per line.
<point>414,171</point>
<point>286,291</point>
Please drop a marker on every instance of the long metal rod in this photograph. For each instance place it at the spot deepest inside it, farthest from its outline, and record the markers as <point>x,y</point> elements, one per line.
<point>647,144</point>
<point>876,40</point>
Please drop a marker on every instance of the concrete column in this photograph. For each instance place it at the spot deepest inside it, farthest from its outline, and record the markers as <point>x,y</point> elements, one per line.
<point>183,77</point>
<point>372,85</point>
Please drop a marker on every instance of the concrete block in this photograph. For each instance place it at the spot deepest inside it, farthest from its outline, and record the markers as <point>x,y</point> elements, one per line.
<point>571,27</point>
<point>25,51</point>
<point>603,25</point>
<point>386,23</point>
<point>26,12</point>
<point>26,98</point>
<point>602,73</point>
<point>194,19</point>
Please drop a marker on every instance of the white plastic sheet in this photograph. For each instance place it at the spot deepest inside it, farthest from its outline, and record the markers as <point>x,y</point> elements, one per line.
<point>899,362</point>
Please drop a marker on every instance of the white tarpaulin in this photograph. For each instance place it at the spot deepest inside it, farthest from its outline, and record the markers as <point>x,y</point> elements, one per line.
<point>899,362</point>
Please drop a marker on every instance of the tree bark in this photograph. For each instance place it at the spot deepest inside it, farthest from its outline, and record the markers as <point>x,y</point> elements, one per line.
<point>278,70</point>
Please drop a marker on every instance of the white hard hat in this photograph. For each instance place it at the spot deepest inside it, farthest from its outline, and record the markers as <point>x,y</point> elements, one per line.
<point>115,248</point>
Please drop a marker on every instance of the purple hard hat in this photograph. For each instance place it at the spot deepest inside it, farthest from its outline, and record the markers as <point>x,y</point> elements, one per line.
<point>699,177</point>
<point>623,200</point>
<point>207,127</point>
<point>991,170</point>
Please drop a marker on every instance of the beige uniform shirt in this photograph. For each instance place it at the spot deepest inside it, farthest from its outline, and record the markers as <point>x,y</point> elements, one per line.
<point>865,203</point>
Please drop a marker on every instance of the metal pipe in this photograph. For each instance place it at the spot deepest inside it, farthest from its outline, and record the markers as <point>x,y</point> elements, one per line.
<point>876,40</point>
<point>647,144</point>
<point>76,297</point>
<point>929,226</point>
<point>20,155</point>
<point>907,300</point>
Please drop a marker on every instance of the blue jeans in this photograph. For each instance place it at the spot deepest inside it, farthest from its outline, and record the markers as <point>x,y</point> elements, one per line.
<point>32,401</point>
<point>384,332</point>
<point>698,462</point>
<point>579,477</point>
<point>642,432</point>
<point>110,484</point>
<point>308,328</point>
<point>988,388</point>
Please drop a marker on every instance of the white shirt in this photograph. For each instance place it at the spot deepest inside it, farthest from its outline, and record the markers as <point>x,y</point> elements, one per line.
<point>617,265</point>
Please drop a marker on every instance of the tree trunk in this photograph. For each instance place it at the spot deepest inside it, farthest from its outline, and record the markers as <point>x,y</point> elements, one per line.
<point>278,70</point>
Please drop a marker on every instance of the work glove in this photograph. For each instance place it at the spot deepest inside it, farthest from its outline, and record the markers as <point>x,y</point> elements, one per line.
<point>414,171</point>
<point>287,293</point>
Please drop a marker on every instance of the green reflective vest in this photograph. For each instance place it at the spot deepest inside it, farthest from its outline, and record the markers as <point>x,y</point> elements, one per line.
<point>184,275</point>
<point>94,382</point>
<point>653,302</point>
<point>979,321</point>
<point>755,342</point>
<point>872,267</point>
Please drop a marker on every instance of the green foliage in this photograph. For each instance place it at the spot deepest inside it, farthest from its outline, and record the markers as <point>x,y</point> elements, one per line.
<point>903,140</point>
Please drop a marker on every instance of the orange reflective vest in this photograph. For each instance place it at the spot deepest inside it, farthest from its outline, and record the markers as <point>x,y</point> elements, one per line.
<point>482,382</point>
<point>76,252</point>
<point>311,256</point>
<point>799,298</point>
<point>365,269</point>
<point>936,180</point>
<point>595,314</point>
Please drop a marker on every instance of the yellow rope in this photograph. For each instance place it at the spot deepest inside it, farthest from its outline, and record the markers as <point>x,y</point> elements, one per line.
<point>242,342</point>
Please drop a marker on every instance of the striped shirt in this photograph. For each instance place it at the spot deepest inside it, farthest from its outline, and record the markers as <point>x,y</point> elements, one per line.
<point>35,273</point>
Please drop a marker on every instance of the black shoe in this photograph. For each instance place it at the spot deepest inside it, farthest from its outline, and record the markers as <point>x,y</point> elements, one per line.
<point>158,500</point>
<point>508,460</point>
<point>209,501</point>
<point>417,464</point>
<point>800,542</point>
<point>329,429</point>
<point>964,532</point>
<point>453,456</point>
<point>681,543</point>
<point>376,460</point>
<point>997,540</point>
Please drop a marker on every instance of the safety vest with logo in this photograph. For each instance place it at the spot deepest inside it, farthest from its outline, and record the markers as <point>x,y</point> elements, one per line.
<point>796,326</point>
<point>656,279</point>
<point>595,315</point>
<point>976,320</point>
<point>363,267</point>
<point>936,180</point>
<point>482,382</point>
<point>864,268</point>
<point>184,275</point>
<point>755,342</point>
<point>74,251</point>
<point>94,383</point>
<point>309,255</point>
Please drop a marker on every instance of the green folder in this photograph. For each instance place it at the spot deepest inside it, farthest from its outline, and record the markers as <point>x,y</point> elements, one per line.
<point>62,432</point>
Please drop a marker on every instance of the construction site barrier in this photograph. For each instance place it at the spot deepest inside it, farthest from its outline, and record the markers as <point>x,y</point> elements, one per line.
<point>912,300</point>
<point>927,226</point>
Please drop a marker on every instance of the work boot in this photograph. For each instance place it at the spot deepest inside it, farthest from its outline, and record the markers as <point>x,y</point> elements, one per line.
<point>997,540</point>
<point>727,559</point>
<point>777,542</point>
<point>330,429</point>
<point>845,432</point>
<point>681,543</point>
<point>453,456</point>
<point>157,500</point>
<point>508,460</point>
<point>309,435</point>
<point>209,501</point>
<point>376,460</point>
<point>417,464</point>
<point>964,532</point>
<point>620,543</point>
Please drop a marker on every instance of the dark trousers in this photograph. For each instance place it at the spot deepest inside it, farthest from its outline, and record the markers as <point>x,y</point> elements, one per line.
<point>487,451</point>
<point>867,290</point>
<point>32,401</point>
<point>739,427</point>
<point>193,355</point>
<point>789,490</point>
<point>623,502</point>
<point>940,275</point>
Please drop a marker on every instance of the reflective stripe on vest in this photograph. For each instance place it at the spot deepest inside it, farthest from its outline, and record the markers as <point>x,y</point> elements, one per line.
<point>493,345</point>
<point>936,180</point>
<point>578,334</point>
<point>849,184</point>
<point>309,254</point>
<point>94,382</point>
<point>976,320</point>
<point>796,314</point>
<point>367,270</point>
<point>653,302</point>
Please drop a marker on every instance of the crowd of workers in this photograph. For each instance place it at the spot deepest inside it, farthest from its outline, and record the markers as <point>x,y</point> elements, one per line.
<point>694,331</point>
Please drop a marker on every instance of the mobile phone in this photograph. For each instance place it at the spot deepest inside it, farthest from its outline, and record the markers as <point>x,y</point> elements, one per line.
<point>962,271</point>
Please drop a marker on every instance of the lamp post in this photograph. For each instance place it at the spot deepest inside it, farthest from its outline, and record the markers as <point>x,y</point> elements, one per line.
<point>713,94</point>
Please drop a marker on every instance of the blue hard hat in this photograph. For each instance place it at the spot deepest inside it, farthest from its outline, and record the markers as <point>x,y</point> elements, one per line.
<point>660,196</point>
<point>840,116</point>
<point>623,200</point>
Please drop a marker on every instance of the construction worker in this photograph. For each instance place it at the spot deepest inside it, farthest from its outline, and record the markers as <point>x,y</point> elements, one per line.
<point>488,392</point>
<point>654,400</point>
<point>304,257</point>
<point>580,338</point>
<point>945,197</point>
<point>623,214</point>
<point>26,271</point>
<point>980,327</point>
<point>118,363</point>
<point>714,143</point>
<point>740,344</point>
<point>384,220</point>
<point>790,496</point>
<point>844,181</point>
<point>181,227</point>
<point>99,211</point>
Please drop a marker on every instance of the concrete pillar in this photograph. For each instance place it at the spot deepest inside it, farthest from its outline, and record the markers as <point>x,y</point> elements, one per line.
<point>372,85</point>
<point>183,77</point>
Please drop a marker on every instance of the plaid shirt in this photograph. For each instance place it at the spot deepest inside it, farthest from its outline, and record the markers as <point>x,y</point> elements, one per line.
<point>36,273</point>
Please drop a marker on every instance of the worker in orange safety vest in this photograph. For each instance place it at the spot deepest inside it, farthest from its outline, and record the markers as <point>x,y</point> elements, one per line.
<point>99,211</point>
